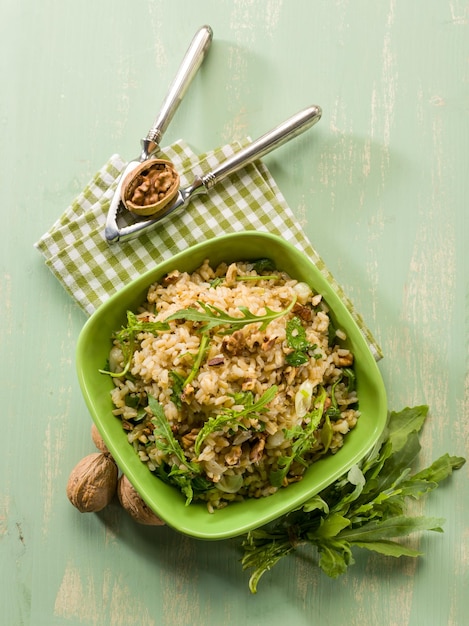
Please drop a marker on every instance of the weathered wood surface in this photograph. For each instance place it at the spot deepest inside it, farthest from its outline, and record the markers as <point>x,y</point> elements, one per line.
<point>382,191</point>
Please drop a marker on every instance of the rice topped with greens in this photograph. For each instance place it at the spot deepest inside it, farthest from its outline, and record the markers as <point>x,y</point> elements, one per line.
<point>231,381</point>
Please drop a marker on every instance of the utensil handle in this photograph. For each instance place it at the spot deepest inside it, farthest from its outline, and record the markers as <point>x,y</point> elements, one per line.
<point>282,133</point>
<point>191,62</point>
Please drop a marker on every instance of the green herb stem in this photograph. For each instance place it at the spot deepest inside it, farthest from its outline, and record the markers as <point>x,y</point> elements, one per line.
<point>202,351</point>
<point>258,277</point>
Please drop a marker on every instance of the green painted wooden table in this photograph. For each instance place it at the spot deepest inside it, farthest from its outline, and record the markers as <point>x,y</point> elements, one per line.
<point>382,192</point>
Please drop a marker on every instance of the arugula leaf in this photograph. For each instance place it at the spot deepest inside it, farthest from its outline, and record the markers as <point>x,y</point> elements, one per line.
<point>327,433</point>
<point>350,375</point>
<point>183,481</point>
<point>263,558</point>
<point>177,387</point>
<point>132,401</point>
<point>399,526</point>
<point>296,335</point>
<point>440,469</point>
<point>334,558</point>
<point>188,485</point>
<point>260,266</point>
<point>332,525</point>
<point>296,340</point>
<point>402,424</point>
<point>216,281</point>
<point>245,398</point>
<point>184,474</point>
<point>263,265</point>
<point>333,412</point>
<point>212,317</point>
<point>365,508</point>
<point>164,438</point>
<point>316,503</point>
<point>252,409</point>
<point>388,548</point>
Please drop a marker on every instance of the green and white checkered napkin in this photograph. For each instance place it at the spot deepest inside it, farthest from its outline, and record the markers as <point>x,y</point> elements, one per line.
<point>91,270</point>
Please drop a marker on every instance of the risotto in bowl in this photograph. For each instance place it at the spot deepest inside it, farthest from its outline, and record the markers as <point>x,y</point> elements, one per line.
<point>230,384</point>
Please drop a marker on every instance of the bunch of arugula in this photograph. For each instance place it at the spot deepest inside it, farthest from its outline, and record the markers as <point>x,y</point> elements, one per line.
<point>363,509</point>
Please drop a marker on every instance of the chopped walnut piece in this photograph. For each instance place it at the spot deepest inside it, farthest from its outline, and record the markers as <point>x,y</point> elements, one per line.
<point>217,360</point>
<point>257,450</point>
<point>294,479</point>
<point>249,384</point>
<point>268,343</point>
<point>343,358</point>
<point>304,312</point>
<point>234,343</point>
<point>187,394</point>
<point>172,277</point>
<point>290,374</point>
<point>254,340</point>
<point>232,457</point>
<point>189,438</point>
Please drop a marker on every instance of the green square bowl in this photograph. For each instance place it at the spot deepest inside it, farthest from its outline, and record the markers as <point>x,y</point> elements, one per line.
<point>237,518</point>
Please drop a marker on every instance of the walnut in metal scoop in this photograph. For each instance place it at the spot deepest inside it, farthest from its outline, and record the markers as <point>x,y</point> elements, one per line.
<point>148,188</point>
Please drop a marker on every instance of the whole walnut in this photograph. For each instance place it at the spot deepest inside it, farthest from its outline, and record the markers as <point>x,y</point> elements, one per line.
<point>98,440</point>
<point>93,482</point>
<point>135,505</point>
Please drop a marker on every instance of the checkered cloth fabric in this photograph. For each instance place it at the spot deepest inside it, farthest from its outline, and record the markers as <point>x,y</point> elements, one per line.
<point>91,269</point>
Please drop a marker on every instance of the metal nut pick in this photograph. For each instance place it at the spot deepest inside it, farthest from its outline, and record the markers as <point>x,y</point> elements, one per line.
<point>150,145</point>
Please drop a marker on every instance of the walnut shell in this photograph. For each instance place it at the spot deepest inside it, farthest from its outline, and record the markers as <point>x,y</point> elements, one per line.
<point>92,483</point>
<point>137,182</point>
<point>135,505</point>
